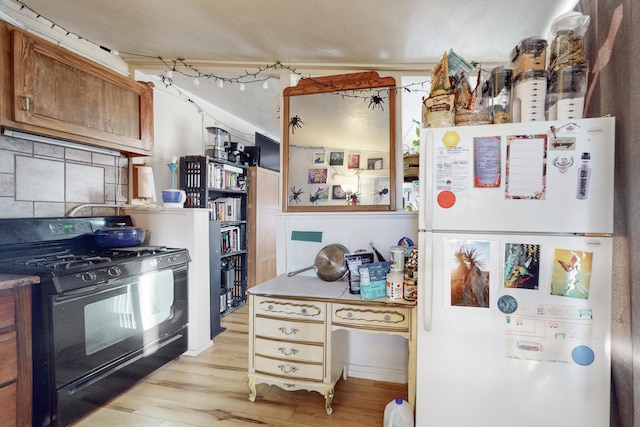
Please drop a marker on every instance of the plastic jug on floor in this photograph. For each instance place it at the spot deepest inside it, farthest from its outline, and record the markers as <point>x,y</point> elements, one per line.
<point>398,413</point>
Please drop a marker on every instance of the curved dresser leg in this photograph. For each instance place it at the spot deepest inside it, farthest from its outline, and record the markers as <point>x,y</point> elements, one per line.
<point>328,398</point>
<point>252,387</point>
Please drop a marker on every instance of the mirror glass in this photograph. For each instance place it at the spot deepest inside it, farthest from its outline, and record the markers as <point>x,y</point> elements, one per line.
<point>338,147</point>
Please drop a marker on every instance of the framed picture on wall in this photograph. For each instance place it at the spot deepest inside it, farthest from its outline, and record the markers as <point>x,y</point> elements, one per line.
<point>337,193</point>
<point>317,176</point>
<point>336,158</point>
<point>354,161</point>
<point>318,158</point>
<point>374,164</point>
<point>319,194</point>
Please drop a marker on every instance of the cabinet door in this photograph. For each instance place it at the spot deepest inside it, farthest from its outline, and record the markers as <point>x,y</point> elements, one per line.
<point>73,98</point>
<point>8,396</point>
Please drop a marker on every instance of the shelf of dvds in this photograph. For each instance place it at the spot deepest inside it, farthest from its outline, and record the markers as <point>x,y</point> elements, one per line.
<point>221,187</point>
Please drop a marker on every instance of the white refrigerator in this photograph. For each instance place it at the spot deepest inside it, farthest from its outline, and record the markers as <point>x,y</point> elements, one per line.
<point>515,242</point>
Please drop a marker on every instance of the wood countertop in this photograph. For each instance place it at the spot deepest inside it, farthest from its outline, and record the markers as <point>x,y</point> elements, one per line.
<point>9,281</point>
<point>307,287</point>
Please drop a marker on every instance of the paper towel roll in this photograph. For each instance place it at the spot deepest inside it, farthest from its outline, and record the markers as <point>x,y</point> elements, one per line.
<point>146,186</point>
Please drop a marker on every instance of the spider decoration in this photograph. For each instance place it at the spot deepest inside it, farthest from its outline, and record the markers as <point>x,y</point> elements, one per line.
<point>295,196</point>
<point>352,198</point>
<point>380,194</point>
<point>376,101</point>
<point>313,198</point>
<point>295,123</point>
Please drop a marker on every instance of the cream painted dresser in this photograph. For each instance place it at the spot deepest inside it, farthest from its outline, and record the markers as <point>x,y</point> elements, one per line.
<point>298,333</point>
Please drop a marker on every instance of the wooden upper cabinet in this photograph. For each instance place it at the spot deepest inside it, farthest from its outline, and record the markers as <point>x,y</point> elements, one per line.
<point>60,94</point>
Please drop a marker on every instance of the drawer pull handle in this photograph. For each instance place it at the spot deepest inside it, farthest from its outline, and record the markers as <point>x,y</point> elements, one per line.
<point>287,385</point>
<point>387,318</point>
<point>291,331</point>
<point>270,307</point>
<point>304,311</point>
<point>291,351</point>
<point>349,315</point>
<point>288,368</point>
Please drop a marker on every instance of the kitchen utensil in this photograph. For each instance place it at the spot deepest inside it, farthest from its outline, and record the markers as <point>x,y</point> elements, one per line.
<point>119,236</point>
<point>329,263</point>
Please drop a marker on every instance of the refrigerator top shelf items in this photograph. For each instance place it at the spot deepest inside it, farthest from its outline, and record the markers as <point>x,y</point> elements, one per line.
<point>538,177</point>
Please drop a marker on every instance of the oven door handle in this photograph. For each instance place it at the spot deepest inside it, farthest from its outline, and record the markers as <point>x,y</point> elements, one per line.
<point>90,290</point>
<point>145,352</point>
<point>65,296</point>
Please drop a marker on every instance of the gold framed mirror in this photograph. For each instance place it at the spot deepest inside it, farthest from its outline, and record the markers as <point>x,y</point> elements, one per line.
<point>338,146</point>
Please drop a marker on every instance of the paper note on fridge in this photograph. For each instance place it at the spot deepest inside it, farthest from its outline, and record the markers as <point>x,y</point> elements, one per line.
<point>526,159</point>
<point>453,171</point>
<point>549,333</point>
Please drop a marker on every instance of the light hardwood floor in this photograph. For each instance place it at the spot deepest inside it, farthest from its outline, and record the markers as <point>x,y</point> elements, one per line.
<point>211,389</point>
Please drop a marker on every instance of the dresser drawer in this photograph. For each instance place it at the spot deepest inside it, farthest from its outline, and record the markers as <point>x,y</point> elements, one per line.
<point>363,317</point>
<point>289,350</point>
<point>289,330</point>
<point>291,309</point>
<point>7,312</point>
<point>289,369</point>
<point>8,357</point>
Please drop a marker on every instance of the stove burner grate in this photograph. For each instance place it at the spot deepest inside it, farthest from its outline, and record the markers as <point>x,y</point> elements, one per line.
<point>61,260</point>
<point>135,251</point>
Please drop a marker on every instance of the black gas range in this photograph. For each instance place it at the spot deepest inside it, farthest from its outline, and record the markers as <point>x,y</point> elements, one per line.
<point>64,249</point>
<point>101,318</point>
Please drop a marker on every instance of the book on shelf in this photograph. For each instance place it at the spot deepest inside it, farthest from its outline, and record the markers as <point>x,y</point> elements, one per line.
<point>226,209</point>
<point>226,177</point>
<point>230,239</point>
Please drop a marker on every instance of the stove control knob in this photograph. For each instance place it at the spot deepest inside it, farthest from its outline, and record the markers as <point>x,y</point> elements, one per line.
<point>114,271</point>
<point>154,262</point>
<point>172,258</point>
<point>89,276</point>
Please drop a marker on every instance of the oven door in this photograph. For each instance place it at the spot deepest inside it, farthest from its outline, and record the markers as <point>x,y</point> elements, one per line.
<point>98,327</point>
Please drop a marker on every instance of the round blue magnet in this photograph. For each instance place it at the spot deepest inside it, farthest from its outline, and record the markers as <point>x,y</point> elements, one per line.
<point>507,304</point>
<point>583,355</point>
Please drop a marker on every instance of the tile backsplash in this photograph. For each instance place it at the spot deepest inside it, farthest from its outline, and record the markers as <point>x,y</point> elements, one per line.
<point>45,180</point>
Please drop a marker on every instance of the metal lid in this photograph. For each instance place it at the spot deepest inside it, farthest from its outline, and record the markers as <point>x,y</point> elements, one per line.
<point>530,74</point>
<point>534,45</point>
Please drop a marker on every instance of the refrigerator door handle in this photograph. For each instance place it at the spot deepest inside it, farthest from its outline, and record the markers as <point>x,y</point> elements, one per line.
<point>428,306</point>
<point>425,279</point>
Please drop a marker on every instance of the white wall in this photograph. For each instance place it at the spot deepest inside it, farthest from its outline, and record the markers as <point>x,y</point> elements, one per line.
<point>177,132</point>
<point>180,129</point>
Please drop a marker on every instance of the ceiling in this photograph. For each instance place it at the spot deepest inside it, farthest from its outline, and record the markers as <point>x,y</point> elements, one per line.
<point>227,39</point>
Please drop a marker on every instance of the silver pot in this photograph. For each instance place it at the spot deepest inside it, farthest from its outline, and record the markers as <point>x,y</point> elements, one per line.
<point>330,264</point>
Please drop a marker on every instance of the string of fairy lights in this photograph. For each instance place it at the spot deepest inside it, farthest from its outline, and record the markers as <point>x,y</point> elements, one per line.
<point>375,96</point>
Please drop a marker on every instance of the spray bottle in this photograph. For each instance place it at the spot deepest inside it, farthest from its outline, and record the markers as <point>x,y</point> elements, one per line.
<point>395,277</point>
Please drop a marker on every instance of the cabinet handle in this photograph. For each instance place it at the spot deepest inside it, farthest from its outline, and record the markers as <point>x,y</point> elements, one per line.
<point>304,311</point>
<point>387,318</point>
<point>291,351</point>
<point>289,385</point>
<point>291,331</point>
<point>288,368</point>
